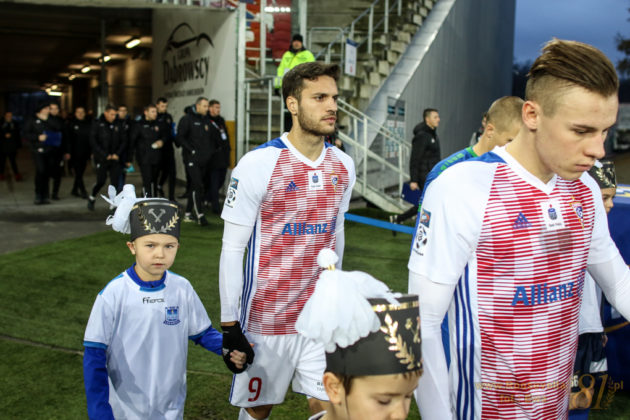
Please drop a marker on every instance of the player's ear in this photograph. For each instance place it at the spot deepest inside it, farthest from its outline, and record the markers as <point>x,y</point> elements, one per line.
<point>292,105</point>
<point>490,130</point>
<point>131,247</point>
<point>334,388</point>
<point>531,112</point>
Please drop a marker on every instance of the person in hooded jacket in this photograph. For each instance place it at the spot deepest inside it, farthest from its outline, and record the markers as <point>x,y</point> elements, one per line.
<point>195,137</point>
<point>220,160</point>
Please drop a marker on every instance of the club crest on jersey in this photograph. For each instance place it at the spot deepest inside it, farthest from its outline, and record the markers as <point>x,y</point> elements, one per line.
<point>171,315</point>
<point>315,181</point>
<point>334,180</point>
<point>579,211</point>
<point>231,194</point>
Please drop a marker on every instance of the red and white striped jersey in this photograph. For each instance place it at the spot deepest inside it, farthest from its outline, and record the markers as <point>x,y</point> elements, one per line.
<point>293,204</point>
<point>517,249</point>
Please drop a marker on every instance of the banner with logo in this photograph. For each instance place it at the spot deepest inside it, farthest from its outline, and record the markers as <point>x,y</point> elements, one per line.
<point>194,54</point>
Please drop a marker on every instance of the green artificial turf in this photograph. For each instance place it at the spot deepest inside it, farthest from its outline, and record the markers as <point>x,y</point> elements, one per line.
<point>48,291</point>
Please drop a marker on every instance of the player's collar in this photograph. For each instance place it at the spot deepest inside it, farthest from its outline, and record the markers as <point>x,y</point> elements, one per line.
<point>527,176</point>
<point>146,286</point>
<point>312,163</point>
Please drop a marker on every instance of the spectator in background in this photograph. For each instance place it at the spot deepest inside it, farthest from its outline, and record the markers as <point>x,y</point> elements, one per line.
<point>42,139</point>
<point>108,143</point>
<point>425,154</point>
<point>60,151</point>
<point>10,142</point>
<point>194,136</point>
<point>296,54</point>
<point>124,121</point>
<point>79,147</point>
<point>147,145</point>
<point>167,165</point>
<point>220,159</point>
<point>477,134</point>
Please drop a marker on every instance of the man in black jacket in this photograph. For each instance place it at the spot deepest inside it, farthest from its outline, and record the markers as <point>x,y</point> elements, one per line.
<point>147,142</point>
<point>78,130</point>
<point>108,144</point>
<point>59,152</point>
<point>425,154</point>
<point>167,165</point>
<point>220,159</point>
<point>194,136</point>
<point>42,138</point>
<point>10,142</point>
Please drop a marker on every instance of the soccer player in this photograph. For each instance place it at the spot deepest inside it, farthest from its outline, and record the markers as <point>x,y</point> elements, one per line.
<point>501,124</point>
<point>506,240</point>
<point>136,340</point>
<point>286,200</point>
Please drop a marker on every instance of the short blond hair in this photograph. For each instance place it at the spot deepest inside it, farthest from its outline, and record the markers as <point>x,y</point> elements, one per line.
<point>505,112</point>
<point>566,64</point>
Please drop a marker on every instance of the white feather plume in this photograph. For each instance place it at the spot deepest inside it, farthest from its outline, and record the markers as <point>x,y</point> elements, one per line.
<point>123,203</point>
<point>338,313</point>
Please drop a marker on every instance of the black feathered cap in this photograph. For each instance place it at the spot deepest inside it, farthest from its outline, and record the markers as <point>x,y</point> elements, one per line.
<point>394,348</point>
<point>604,173</point>
<point>154,216</point>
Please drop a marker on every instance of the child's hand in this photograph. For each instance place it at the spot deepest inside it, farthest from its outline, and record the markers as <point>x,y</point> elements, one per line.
<point>239,358</point>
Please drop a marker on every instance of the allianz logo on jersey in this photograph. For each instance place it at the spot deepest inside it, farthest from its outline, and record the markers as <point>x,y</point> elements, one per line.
<point>303,228</point>
<point>541,294</point>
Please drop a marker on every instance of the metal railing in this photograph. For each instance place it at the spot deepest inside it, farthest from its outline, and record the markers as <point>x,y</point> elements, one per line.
<point>265,84</point>
<point>349,31</point>
<point>376,174</point>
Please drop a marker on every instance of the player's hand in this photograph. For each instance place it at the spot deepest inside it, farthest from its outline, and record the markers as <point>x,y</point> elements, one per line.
<point>234,341</point>
<point>414,186</point>
<point>42,137</point>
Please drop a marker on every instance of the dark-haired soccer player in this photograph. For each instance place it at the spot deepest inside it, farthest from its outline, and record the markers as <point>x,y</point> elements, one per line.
<point>286,201</point>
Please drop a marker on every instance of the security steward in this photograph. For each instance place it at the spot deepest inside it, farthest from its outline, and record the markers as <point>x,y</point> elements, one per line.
<point>194,136</point>
<point>108,144</point>
<point>79,147</point>
<point>148,145</point>
<point>167,166</point>
<point>42,138</point>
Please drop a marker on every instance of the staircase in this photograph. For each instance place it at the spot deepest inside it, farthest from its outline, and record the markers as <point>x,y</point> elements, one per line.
<point>381,29</point>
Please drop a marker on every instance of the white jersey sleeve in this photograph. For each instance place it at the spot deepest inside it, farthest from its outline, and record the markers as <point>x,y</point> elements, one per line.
<point>198,319</point>
<point>100,327</point>
<point>344,206</point>
<point>248,186</point>
<point>450,221</point>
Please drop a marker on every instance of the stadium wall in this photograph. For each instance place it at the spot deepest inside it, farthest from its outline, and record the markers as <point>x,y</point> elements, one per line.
<point>459,61</point>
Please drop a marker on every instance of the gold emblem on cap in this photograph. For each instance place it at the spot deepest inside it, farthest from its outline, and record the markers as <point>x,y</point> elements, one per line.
<point>404,353</point>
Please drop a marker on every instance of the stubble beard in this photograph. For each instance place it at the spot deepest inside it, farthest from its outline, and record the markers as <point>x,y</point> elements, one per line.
<point>311,127</point>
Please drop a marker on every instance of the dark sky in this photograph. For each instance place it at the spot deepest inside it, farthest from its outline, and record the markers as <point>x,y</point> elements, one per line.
<point>594,22</point>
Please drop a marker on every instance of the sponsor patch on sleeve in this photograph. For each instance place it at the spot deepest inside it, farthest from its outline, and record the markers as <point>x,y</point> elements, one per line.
<point>422,231</point>
<point>231,194</point>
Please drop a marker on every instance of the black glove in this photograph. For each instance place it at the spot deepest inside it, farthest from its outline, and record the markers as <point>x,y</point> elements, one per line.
<point>234,339</point>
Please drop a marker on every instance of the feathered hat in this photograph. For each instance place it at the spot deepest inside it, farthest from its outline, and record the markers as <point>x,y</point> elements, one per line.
<point>604,173</point>
<point>365,328</point>
<point>141,216</point>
